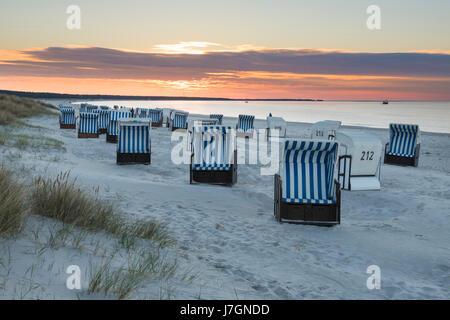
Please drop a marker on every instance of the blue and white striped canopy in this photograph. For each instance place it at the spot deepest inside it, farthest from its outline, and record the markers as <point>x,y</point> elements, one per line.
<point>307,171</point>
<point>143,113</point>
<point>245,123</point>
<point>180,119</point>
<point>88,122</point>
<point>213,147</point>
<point>218,117</point>
<point>155,114</point>
<point>114,116</point>
<point>103,119</point>
<point>134,136</point>
<point>67,115</point>
<point>403,139</point>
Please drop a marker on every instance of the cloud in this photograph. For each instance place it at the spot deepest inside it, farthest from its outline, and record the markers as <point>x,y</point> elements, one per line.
<point>205,66</point>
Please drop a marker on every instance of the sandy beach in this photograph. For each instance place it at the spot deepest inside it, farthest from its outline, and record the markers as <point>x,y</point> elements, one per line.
<point>228,237</point>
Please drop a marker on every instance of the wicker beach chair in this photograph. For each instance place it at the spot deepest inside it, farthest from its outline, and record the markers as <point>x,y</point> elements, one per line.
<point>156,115</point>
<point>103,119</point>
<point>214,157</point>
<point>88,125</point>
<point>133,146</point>
<point>306,191</point>
<point>67,118</point>
<point>178,120</point>
<point>325,130</point>
<point>90,108</point>
<point>112,131</point>
<point>403,147</point>
<point>218,117</point>
<point>244,127</point>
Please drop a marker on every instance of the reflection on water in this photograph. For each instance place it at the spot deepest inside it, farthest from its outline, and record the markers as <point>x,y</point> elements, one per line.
<point>430,116</point>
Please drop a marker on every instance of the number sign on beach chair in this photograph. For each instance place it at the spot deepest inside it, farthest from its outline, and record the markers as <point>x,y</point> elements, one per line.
<point>178,120</point>
<point>157,117</point>
<point>325,129</point>
<point>218,117</point>
<point>214,158</point>
<point>67,118</point>
<point>113,124</point>
<point>133,146</point>
<point>306,191</point>
<point>244,127</point>
<point>403,147</point>
<point>88,125</point>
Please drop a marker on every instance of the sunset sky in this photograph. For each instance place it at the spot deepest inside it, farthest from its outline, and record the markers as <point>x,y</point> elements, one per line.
<point>235,49</point>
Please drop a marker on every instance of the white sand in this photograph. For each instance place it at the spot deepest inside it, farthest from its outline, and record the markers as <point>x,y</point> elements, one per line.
<point>230,238</point>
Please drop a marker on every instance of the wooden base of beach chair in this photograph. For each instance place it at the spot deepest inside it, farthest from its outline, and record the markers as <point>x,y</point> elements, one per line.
<point>67,126</point>
<point>402,161</point>
<point>324,215</point>
<point>226,177</point>
<point>177,128</point>
<point>101,131</point>
<point>87,135</point>
<point>111,138</point>
<point>133,158</point>
<point>157,124</point>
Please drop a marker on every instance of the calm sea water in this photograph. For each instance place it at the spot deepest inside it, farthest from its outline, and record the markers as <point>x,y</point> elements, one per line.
<point>430,116</point>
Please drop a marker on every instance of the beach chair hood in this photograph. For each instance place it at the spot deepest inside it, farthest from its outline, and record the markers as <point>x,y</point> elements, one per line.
<point>403,139</point>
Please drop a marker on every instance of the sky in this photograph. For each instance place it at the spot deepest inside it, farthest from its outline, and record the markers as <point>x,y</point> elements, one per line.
<point>235,49</point>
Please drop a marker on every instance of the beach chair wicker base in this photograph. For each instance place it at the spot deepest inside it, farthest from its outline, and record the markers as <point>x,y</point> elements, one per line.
<point>157,124</point>
<point>101,131</point>
<point>133,158</point>
<point>111,138</point>
<point>402,161</point>
<point>226,177</point>
<point>87,135</point>
<point>176,128</point>
<point>67,126</point>
<point>324,215</point>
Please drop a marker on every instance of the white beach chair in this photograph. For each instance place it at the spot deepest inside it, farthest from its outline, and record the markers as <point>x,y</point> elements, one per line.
<point>276,124</point>
<point>325,130</point>
<point>359,162</point>
<point>306,190</point>
<point>403,147</point>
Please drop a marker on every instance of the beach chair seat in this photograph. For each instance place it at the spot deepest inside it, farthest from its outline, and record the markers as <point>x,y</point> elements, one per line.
<point>244,127</point>
<point>218,117</point>
<point>178,120</point>
<point>156,115</point>
<point>403,147</point>
<point>306,191</point>
<point>112,130</point>
<point>67,118</point>
<point>133,146</point>
<point>88,125</point>
<point>214,155</point>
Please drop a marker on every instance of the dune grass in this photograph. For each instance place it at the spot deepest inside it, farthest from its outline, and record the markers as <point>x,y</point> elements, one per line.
<point>13,108</point>
<point>61,199</point>
<point>13,208</point>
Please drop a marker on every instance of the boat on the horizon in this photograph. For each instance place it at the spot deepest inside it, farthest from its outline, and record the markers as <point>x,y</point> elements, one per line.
<point>385,101</point>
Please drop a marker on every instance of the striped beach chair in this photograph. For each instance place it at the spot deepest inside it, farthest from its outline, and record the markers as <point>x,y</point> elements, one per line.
<point>244,127</point>
<point>67,118</point>
<point>83,107</point>
<point>157,117</point>
<point>88,125</point>
<point>133,146</point>
<point>306,190</point>
<point>103,120</point>
<point>218,117</point>
<point>91,108</point>
<point>112,130</point>
<point>178,120</point>
<point>214,157</point>
<point>403,147</point>
<point>104,107</point>
<point>142,113</point>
